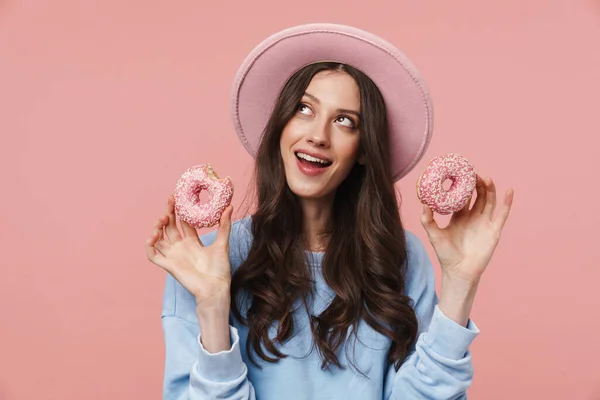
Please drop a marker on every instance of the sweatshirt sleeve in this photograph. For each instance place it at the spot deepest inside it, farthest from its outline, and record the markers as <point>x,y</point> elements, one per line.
<point>440,366</point>
<point>192,373</point>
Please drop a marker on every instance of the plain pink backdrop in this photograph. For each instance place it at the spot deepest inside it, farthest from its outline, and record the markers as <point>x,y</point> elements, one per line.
<point>103,104</point>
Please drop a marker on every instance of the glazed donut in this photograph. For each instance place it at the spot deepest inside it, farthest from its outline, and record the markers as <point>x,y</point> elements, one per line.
<point>187,196</point>
<point>430,186</point>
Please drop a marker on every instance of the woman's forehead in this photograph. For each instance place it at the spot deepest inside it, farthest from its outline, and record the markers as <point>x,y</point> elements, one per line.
<point>334,88</point>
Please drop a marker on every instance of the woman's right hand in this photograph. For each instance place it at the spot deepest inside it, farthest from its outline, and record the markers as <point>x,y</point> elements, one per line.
<point>203,270</point>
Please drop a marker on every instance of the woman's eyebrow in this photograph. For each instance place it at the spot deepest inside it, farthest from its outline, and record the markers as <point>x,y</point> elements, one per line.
<point>340,110</point>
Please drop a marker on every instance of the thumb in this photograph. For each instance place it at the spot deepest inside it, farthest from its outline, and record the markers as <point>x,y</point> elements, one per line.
<point>225,226</point>
<point>428,221</point>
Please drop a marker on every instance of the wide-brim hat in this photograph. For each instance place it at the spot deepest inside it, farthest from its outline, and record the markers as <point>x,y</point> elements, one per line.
<point>265,71</point>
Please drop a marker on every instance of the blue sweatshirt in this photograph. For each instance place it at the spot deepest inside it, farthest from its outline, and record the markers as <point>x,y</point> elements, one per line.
<point>439,367</point>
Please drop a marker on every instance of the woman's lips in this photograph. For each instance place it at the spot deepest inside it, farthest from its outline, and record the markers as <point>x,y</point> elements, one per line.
<point>310,169</point>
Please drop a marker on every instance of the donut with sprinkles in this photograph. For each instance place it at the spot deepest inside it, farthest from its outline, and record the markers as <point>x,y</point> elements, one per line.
<point>188,206</point>
<point>430,185</point>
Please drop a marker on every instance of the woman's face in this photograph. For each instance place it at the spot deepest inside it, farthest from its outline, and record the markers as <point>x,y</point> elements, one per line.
<point>320,144</point>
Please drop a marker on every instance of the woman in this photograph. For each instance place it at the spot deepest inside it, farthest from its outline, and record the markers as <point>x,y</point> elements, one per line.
<point>321,293</point>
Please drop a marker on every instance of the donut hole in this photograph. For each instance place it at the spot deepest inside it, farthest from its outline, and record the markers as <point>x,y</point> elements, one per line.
<point>447,184</point>
<point>203,196</point>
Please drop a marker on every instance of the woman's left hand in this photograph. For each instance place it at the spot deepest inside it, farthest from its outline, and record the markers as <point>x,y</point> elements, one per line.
<point>465,247</point>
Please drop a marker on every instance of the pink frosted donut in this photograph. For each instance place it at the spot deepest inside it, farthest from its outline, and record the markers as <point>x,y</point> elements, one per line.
<point>187,196</point>
<point>430,186</point>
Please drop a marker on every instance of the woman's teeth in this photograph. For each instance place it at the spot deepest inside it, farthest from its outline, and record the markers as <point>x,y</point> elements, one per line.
<point>312,159</point>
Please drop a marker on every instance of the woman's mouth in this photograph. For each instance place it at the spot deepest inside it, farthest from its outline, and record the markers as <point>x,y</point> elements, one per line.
<point>310,165</point>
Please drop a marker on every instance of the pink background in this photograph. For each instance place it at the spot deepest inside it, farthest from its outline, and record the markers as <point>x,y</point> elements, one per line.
<point>103,104</point>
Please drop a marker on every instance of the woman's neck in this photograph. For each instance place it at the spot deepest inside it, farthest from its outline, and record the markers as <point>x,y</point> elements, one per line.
<point>316,214</point>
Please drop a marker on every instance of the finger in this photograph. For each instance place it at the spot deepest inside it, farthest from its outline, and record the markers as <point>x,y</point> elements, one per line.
<point>504,211</point>
<point>428,222</point>
<point>162,246</point>
<point>153,238</point>
<point>152,253</point>
<point>481,196</point>
<point>189,231</point>
<point>490,203</point>
<point>159,226</point>
<point>171,230</point>
<point>157,241</point>
<point>225,226</point>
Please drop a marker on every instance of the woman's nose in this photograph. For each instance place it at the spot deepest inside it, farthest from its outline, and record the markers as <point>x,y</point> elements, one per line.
<point>319,136</point>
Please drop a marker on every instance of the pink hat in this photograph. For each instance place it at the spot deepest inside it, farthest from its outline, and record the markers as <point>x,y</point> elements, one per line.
<point>267,68</point>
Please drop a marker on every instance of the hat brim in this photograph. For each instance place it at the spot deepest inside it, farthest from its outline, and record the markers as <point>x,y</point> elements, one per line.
<point>268,67</point>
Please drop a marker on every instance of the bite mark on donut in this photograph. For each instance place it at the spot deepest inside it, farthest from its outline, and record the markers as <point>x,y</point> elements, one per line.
<point>190,208</point>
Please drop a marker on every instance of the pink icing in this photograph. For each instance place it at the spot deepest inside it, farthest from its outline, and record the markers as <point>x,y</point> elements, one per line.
<point>187,196</point>
<point>430,187</point>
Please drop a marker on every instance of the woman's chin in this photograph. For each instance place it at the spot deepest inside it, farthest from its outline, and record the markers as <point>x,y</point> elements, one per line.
<point>309,191</point>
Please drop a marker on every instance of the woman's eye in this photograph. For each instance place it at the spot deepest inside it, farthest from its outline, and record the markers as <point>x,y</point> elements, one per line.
<point>304,109</point>
<point>346,121</point>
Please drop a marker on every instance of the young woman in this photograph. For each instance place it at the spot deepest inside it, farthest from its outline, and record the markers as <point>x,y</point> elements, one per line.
<point>321,293</point>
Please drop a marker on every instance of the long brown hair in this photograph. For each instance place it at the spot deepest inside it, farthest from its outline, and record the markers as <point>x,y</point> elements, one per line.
<point>364,261</point>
